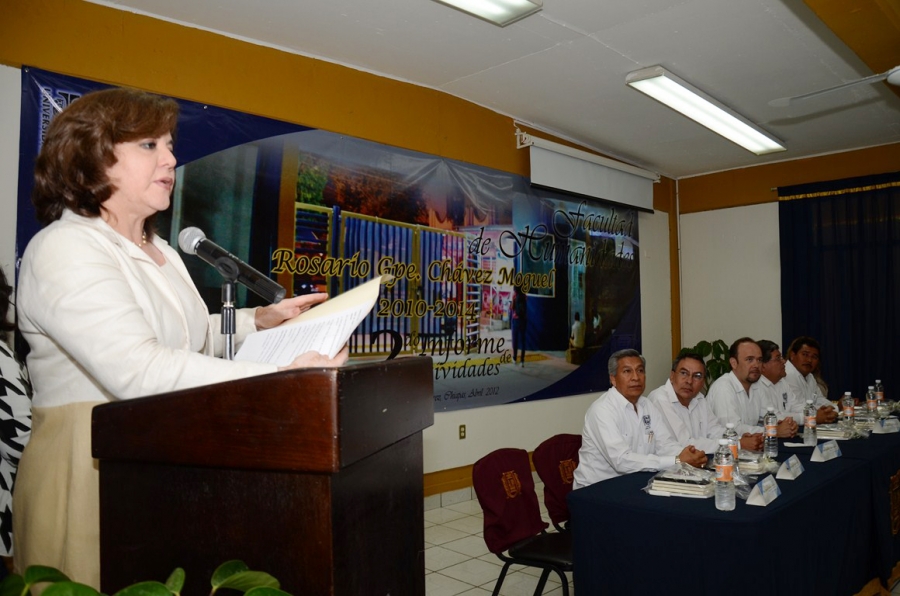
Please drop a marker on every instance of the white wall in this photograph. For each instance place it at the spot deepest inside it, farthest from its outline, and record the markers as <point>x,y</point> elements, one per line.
<point>525,425</point>
<point>520,425</point>
<point>10,104</point>
<point>731,274</point>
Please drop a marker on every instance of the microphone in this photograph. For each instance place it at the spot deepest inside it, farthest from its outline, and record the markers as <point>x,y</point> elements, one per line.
<point>194,242</point>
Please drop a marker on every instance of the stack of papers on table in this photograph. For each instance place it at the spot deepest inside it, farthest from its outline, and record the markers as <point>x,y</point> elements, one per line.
<point>833,431</point>
<point>675,484</point>
<point>752,462</point>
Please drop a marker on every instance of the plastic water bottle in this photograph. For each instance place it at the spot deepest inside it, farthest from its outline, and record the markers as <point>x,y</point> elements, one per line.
<point>734,443</point>
<point>879,391</point>
<point>871,401</point>
<point>770,421</point>
<point>724,480</point>
<point>809,423</point>
<point>847,405</point>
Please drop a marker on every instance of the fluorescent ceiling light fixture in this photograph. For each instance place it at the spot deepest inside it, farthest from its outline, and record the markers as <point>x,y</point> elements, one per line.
<point>681,96</point>
<point>498,12</point>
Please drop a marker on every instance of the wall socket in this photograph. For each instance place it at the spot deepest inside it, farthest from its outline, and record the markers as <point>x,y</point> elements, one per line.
<point>462,431</point>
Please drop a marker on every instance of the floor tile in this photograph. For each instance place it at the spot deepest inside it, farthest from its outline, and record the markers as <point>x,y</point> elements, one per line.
<point>468,507</point>
<point>473,546</point>
<point>442,516</point>
<point>438,535</point>
<point>438,557</point>
<point>474,572</point>
<point>477,592</point>
<point>521,584</point>
<point>469,524</point>
<point>441,585</point>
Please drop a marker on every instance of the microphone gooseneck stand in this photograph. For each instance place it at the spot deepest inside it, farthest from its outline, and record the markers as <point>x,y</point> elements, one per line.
<point>229,271</point>
<point>228,322</point>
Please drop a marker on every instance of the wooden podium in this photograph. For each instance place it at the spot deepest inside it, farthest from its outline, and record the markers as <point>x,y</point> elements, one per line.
<point>314,476</point>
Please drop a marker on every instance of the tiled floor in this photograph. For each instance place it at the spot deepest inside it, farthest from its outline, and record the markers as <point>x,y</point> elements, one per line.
<point>457,560</point>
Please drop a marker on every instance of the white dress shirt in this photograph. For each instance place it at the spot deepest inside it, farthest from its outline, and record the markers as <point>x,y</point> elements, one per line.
<point>692,425</point>
<point>617,440</point>
<point>730,403</point>
<point>803,388</point>
<point>779,396</point>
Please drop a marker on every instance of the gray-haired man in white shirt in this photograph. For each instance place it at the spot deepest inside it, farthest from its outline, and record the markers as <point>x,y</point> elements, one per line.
<point>623,430</point>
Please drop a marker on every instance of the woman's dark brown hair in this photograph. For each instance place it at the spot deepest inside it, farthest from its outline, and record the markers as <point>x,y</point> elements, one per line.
<point>70,172</point>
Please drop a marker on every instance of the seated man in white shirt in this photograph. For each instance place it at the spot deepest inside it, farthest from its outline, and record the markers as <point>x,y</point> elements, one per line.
<point>624,432</point>
<point>803,359</point>
<point>736,397</point>
<point>775,390</point>
<point>685,410</point>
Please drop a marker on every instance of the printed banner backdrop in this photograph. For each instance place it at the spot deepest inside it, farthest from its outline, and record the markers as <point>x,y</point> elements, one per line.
<point>516,293</point>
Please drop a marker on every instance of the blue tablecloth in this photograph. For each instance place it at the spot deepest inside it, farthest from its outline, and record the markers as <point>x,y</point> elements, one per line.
<point>816,538</point>
<point>882,454</point>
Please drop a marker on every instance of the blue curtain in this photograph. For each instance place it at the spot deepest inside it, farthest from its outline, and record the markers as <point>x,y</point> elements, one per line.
<point>840,277</point>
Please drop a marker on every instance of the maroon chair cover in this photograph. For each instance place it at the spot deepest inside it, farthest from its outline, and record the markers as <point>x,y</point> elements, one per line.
<point>555,460</point>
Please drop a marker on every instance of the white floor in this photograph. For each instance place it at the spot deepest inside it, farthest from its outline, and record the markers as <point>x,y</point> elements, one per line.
<point>458,562</point>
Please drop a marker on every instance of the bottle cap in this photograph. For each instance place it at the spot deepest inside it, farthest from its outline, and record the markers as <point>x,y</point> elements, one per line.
<point>846,393</point>
<point>877,381</point>
<point>771,408</point>
<point>809,402</point>
<point>729,425</point>
<point>871,388</point>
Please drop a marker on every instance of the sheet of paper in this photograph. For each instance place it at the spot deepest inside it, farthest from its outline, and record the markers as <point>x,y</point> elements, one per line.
<point>323,329</point>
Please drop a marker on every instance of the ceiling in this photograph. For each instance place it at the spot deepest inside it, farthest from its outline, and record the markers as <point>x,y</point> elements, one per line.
<point>563,70</point>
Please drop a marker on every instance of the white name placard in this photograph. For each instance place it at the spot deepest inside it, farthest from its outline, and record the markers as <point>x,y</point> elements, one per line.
<point>886,426</point>
<point>826,451</point>
<point>765,491</point>
<point>790,469</point>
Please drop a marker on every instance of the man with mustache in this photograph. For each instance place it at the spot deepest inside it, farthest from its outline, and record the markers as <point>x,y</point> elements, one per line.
<point>624,432</point>
<point>686,411</point>
<point>803,357</point>
<point>736,397</point>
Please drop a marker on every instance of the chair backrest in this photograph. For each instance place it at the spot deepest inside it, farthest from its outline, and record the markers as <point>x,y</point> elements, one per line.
<point>505,489</point>
<point>555,460</point>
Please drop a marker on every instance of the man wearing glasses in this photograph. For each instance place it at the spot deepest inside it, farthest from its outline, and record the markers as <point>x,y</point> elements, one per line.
<point>686,411</point>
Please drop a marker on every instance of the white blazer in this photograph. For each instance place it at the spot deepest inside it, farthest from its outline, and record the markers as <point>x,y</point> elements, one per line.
<point>104,322</point>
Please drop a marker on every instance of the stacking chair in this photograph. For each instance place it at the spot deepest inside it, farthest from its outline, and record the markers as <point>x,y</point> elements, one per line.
<point>513,528</point>
<point>555,460</point>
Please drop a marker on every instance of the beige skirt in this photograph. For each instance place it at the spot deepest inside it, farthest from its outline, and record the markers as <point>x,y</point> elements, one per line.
<point>56,505</point>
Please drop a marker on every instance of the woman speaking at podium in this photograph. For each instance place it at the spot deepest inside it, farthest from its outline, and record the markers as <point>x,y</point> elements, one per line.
<point>109,312</point>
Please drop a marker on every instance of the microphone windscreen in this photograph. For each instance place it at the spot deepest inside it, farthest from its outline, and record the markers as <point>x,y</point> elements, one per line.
<point>189,238</point>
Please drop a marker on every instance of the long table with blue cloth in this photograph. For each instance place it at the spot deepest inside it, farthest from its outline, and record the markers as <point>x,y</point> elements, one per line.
<point>831,531</point>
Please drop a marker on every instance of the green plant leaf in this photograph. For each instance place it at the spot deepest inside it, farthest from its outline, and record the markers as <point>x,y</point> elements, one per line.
<point>39,573</point>
<point>247,580</point>
<point>175,582</point>
<point>720,349</point>
<point>145,589</point>
<point>12,585</point>
<point>70,588</point>
<point>226,570</point>
<point>260,591</point>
